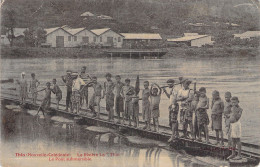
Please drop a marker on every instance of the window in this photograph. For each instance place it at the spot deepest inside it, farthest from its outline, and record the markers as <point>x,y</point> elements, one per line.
<point>100,39</point>
<point>85,39</point>
<point>119,39</point>
<point>94,39</point>
<point>69,38</point>
<point>75,38</point>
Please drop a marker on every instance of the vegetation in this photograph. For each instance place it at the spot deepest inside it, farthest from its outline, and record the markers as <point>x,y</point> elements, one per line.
<point>171,16</point>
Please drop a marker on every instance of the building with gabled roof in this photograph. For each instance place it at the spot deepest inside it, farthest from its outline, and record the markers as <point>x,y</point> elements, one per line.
<point>108,38</point>
<point>192,40</point>
<point>82,36</point>
<point>58,37</point>
<point>248,35</point>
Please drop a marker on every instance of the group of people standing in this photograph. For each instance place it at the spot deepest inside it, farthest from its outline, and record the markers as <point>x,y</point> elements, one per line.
<point>193,105</point>
<point>123,99</point>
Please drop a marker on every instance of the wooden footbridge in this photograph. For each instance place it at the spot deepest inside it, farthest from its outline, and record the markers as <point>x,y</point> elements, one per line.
<point>250,152</point>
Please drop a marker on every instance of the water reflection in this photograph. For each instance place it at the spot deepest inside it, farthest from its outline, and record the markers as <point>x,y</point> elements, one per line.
<point>24,133</point>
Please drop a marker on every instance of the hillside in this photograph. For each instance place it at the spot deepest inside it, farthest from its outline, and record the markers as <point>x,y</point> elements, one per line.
<point>170,16</point>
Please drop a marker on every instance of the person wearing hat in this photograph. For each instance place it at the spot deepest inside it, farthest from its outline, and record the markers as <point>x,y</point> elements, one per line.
<point>108,92</point>
<point>84,93</point>
<point>217,109</point>
<point>184,96</point>
<point>227,111</point>
<point>68,81</point>
<point>23,88</point>
<point>235,128</point>
<point>127,92</point>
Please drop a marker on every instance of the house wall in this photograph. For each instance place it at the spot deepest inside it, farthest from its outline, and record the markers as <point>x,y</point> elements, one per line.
<point>4,40</point>
<point>51,38</point>
<point>82,34</point>
<point>115,36</point>
<point>139,44</point>
<point>201,41</point>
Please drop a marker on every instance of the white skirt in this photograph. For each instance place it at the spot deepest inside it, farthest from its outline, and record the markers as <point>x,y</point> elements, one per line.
<point>236,129</point>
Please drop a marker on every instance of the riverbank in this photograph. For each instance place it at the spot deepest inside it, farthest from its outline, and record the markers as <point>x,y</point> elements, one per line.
<point>32,52</point>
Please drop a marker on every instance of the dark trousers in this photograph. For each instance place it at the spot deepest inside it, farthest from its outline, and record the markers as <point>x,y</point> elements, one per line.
<point>68,98</point>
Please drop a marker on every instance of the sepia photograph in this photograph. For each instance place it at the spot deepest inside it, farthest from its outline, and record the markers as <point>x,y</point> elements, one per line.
<point>130,83</point>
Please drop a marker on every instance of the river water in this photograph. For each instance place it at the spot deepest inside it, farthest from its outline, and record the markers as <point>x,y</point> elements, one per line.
<point>239,75</point>
<point>28,142</point>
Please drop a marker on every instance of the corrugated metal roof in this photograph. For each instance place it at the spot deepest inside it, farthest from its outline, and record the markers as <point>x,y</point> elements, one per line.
<point>190,34</point>
<point>141,36</point>
<point>50,30</point>
<point>75,30</point>
<point>186,38</point>
<point>87,14</point>
<point>100,31</point>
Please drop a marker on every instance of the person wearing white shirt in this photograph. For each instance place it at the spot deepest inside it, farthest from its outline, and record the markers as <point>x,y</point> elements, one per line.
<point>76,89</point>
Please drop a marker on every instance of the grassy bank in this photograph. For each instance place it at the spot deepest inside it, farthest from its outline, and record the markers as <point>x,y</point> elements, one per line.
<point>23,52</point>
<point>211,52</point>
<point>32,52</point>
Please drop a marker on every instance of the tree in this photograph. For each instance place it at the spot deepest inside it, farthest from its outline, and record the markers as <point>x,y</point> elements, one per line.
<point>34,36</point>
<point>9,22</point>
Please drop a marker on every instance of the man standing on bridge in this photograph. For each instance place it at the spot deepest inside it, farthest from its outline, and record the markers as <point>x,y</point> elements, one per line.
<point>68,80</point>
